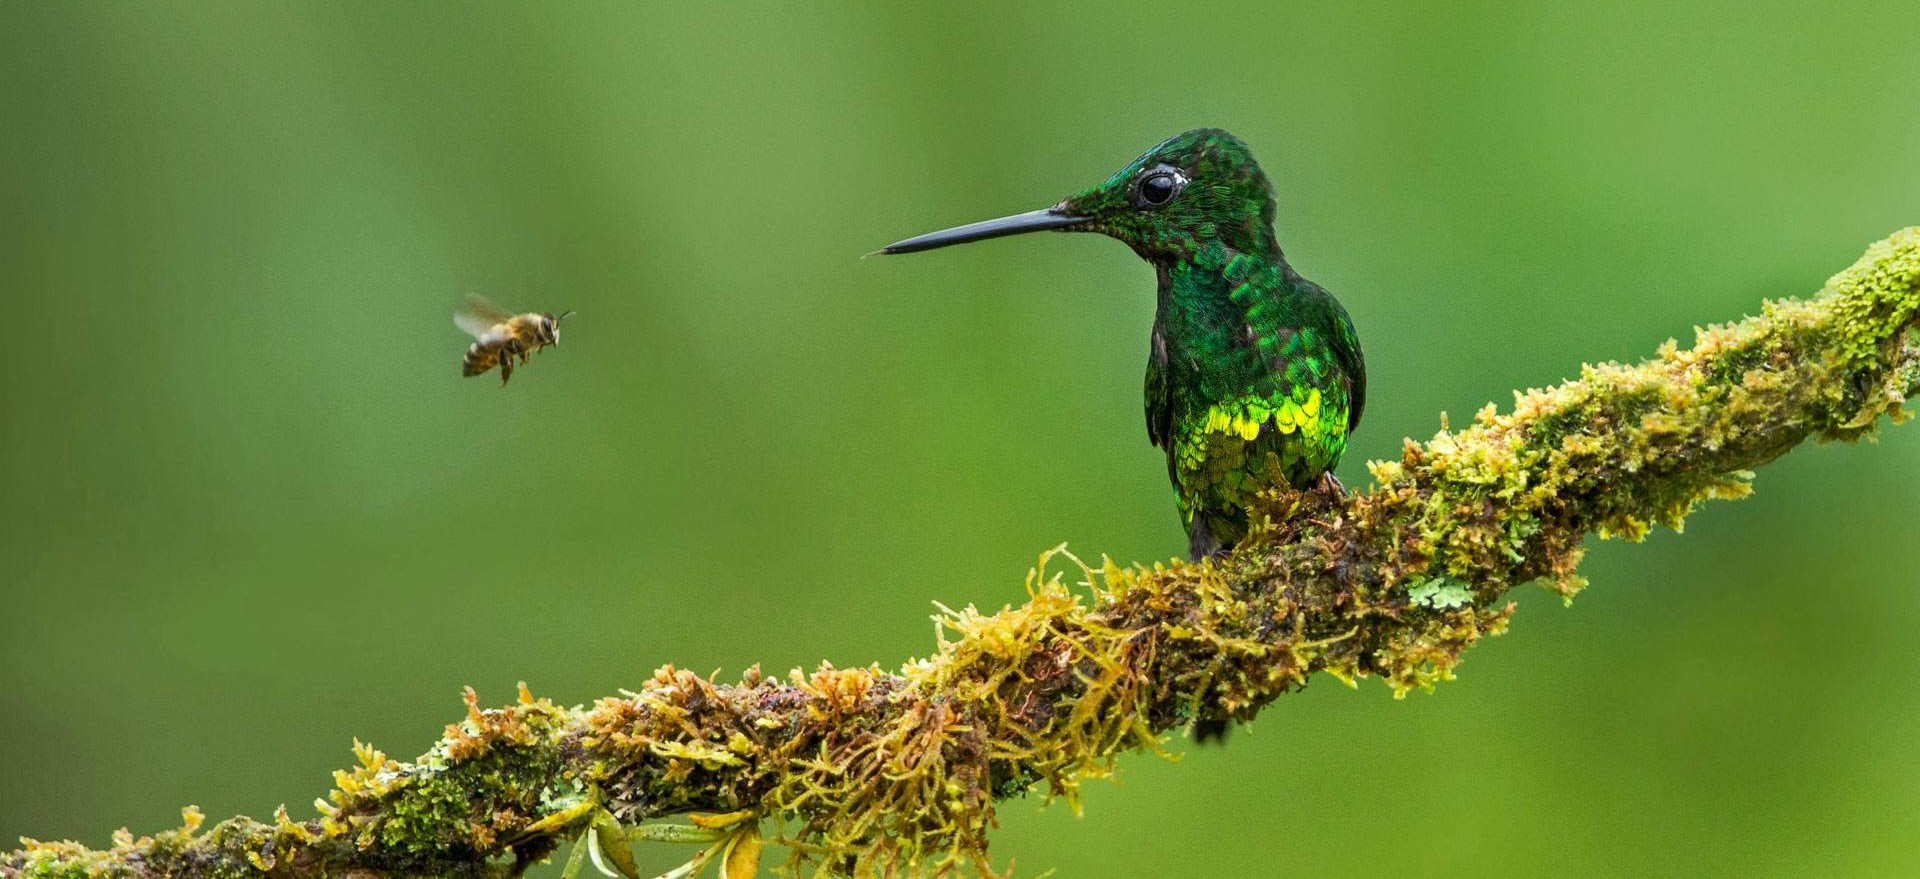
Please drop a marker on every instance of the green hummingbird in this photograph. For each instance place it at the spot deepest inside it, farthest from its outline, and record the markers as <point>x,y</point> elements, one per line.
<point>1254,373</point>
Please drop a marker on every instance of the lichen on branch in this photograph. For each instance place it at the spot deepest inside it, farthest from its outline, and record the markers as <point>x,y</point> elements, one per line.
<point>869,772</point>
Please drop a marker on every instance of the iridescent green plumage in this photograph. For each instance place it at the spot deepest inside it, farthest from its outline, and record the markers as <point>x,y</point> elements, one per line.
<point>1269,401</point>
<point>1254,376</point>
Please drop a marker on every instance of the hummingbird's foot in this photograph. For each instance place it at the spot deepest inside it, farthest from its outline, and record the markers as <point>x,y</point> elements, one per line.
<point>1330,484</point>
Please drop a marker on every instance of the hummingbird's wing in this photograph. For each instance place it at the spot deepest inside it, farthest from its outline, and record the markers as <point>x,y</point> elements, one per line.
<point>1160,406</point>
<point>1332,357</point>
<point>1353,366</point>
<point>1306,399</point>
<point>478,314</point>
<point>1159,401</point>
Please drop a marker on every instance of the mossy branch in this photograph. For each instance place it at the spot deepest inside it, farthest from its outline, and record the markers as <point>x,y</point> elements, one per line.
<point>868,772</point>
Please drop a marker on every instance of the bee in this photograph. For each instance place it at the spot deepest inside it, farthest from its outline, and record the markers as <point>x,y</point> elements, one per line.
<point>500,335</point>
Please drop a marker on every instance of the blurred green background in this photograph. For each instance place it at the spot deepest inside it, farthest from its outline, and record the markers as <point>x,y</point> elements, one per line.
<point>251,511</point>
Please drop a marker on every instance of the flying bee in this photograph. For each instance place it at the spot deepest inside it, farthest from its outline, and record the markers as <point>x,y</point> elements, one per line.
<point>501,336</point>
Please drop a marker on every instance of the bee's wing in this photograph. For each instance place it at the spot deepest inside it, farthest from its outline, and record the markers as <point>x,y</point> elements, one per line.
<point>478,314</point>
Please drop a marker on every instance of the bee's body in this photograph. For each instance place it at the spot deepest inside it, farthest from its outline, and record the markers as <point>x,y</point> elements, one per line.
<point>501,338</point>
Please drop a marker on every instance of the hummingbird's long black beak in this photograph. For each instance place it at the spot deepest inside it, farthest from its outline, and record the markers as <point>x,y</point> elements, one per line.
<point>1031,221</point>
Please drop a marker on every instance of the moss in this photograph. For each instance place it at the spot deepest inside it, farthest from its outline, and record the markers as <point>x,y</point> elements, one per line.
<point>864,772</point>
<point>488,778</point>
<point>127,857</point>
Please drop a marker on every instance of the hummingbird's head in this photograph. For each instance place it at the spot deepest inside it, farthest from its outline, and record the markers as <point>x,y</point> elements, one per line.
<point>1193,189</point>
<point>1197,188</point>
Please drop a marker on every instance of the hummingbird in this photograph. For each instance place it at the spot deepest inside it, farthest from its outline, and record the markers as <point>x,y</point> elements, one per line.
<point>1254,373</point>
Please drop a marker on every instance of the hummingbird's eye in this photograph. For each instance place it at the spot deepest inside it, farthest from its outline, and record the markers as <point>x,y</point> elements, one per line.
<point>1158,188</point>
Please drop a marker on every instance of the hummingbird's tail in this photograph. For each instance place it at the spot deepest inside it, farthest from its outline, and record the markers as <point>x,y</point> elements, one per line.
<point>1213,533</point>
<point>1207,732</point>
<point>1210,536</point>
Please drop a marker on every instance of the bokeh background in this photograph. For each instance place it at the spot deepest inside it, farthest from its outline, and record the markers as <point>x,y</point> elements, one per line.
<point>251,511</point>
